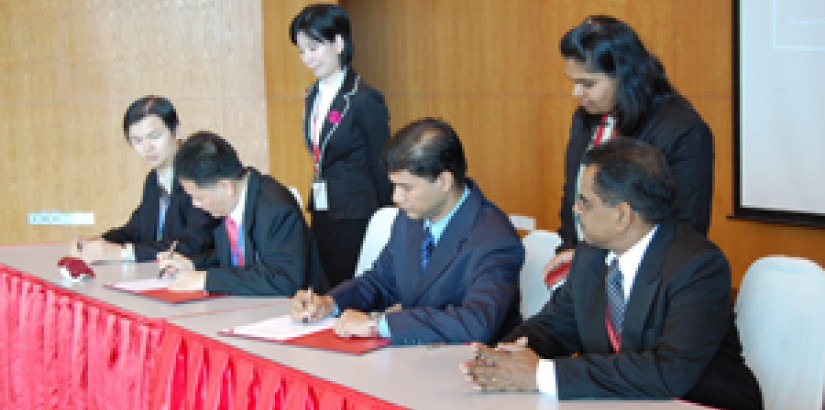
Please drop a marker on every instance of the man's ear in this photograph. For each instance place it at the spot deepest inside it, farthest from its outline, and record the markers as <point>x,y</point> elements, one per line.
<point>445,180</point>
<point>227,186</point>
<point>625,215</point>
<point>339,43</point>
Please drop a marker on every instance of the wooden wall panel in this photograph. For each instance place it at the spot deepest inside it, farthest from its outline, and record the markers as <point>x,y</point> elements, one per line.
<point>287,80</point>
<point>492,69</point>
<point>69,69</point>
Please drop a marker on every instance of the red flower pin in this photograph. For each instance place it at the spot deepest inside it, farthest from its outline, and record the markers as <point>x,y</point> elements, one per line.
<point>334,117</point>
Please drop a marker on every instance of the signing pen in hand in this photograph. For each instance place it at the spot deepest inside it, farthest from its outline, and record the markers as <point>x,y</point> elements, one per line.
<point>171,255</point>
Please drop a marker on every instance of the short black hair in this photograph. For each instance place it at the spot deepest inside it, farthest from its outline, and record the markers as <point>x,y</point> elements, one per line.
<point>322,22</point>
<point>608,45</point>
<point>425,148</point>
<point>205,158</point>
<point>151,105</point>
<point>632,171</point>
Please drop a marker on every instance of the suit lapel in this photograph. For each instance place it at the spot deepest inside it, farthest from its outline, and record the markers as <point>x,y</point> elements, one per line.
<point>592,283</point>
<point>222,245</point>
<point>646,286</point>
<point>252,189</point>
<point>338,110</point>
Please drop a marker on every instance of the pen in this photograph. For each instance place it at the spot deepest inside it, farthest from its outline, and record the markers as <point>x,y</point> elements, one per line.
<point>304,305</point>
<point>171,253</point>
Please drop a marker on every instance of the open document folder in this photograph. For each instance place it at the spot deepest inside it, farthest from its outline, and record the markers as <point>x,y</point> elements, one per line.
<point>158,288</point>
<point>318,335</point>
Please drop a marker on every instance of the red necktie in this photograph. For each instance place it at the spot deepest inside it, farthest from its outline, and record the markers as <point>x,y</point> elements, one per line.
<point>232,233</point>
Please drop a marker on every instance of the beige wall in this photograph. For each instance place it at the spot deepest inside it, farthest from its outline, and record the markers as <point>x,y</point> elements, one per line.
<point>69,69</point>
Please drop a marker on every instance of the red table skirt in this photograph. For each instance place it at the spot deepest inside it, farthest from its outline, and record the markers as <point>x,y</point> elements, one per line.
<point>62,350</point>
<point>195,372</point>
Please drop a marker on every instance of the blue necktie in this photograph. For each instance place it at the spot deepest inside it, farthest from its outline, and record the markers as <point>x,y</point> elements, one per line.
<point>163,207</point>
<point>615,296</point>
<point>427,246</point>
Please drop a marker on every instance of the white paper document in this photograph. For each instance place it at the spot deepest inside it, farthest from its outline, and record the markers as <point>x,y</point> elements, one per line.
<point>143,284</point>
<point>280,328</point>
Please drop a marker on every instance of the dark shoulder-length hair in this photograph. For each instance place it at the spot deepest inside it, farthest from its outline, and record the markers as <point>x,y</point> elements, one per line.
<point>607,45</point>
<point>322,22</point>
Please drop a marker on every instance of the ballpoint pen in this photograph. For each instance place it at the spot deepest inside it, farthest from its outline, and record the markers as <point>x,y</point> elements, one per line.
<point>171,253</point>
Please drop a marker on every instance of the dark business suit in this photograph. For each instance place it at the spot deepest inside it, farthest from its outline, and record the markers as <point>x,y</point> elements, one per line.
<point>678,339</point>
<point>357,184</point>
<point>469,290</point>
<point>280,255</point>
<point>675,128</point>
<point>190,226</point>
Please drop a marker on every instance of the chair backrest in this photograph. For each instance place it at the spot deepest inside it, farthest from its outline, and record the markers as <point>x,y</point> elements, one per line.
<point>378,233</point>
<point>779,312</point>
<point>540,247</point>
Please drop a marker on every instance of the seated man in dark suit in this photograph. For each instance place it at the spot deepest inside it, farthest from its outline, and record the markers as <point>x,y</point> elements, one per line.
<point>450,270</point>
<point>263,246</point>
<point>674,337</point>
<point>165,214</point>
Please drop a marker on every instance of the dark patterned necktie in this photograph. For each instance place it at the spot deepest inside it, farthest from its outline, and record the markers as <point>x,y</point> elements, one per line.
<point>163,206</point>
<point>427,246</point>
<point>615,296</point>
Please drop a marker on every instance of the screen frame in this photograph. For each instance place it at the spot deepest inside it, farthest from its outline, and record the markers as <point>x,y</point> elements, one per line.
<point>741,211</point>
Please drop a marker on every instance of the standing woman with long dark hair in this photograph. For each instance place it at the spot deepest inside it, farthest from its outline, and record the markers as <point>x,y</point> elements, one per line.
<point>346,124</point>
<point>623,92</point>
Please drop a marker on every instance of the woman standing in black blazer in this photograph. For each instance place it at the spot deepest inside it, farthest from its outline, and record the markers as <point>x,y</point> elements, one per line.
<point>346,124</point>
<point>623,92</point>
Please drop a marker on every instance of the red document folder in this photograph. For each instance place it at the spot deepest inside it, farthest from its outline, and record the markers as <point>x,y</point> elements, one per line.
<point>169,296</point>
<point>326,340</point>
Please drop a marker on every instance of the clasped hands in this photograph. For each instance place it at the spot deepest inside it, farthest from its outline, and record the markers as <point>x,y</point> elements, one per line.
<point>307,307</point>
<point>509,367</point>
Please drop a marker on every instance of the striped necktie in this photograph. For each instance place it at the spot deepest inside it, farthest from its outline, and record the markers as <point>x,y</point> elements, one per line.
<point>615,297</point>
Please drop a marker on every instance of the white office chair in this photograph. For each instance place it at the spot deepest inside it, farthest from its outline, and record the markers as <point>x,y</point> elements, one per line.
<point>377,236</point>
<point>779,312</point>
<point>540,247</point>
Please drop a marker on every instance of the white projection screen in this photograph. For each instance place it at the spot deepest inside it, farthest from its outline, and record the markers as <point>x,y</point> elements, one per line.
<point>779,105</point>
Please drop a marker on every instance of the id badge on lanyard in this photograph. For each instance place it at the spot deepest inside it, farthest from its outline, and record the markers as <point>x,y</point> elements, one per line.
<point>319,194</point>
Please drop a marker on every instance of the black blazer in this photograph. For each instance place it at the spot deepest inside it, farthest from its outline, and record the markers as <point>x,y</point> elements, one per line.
<point>687,142</point>
<point>469,291</point>
<point>280,255</point>
<point>679,338</point>
<point>190,226</point>
<point>357,183</point>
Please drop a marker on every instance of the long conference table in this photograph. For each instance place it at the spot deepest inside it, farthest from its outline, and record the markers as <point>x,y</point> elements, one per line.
<point>81,345</point>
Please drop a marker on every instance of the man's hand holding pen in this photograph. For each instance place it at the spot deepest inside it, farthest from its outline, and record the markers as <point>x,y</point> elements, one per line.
<point>166,261</point>
<point>307,306</point>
